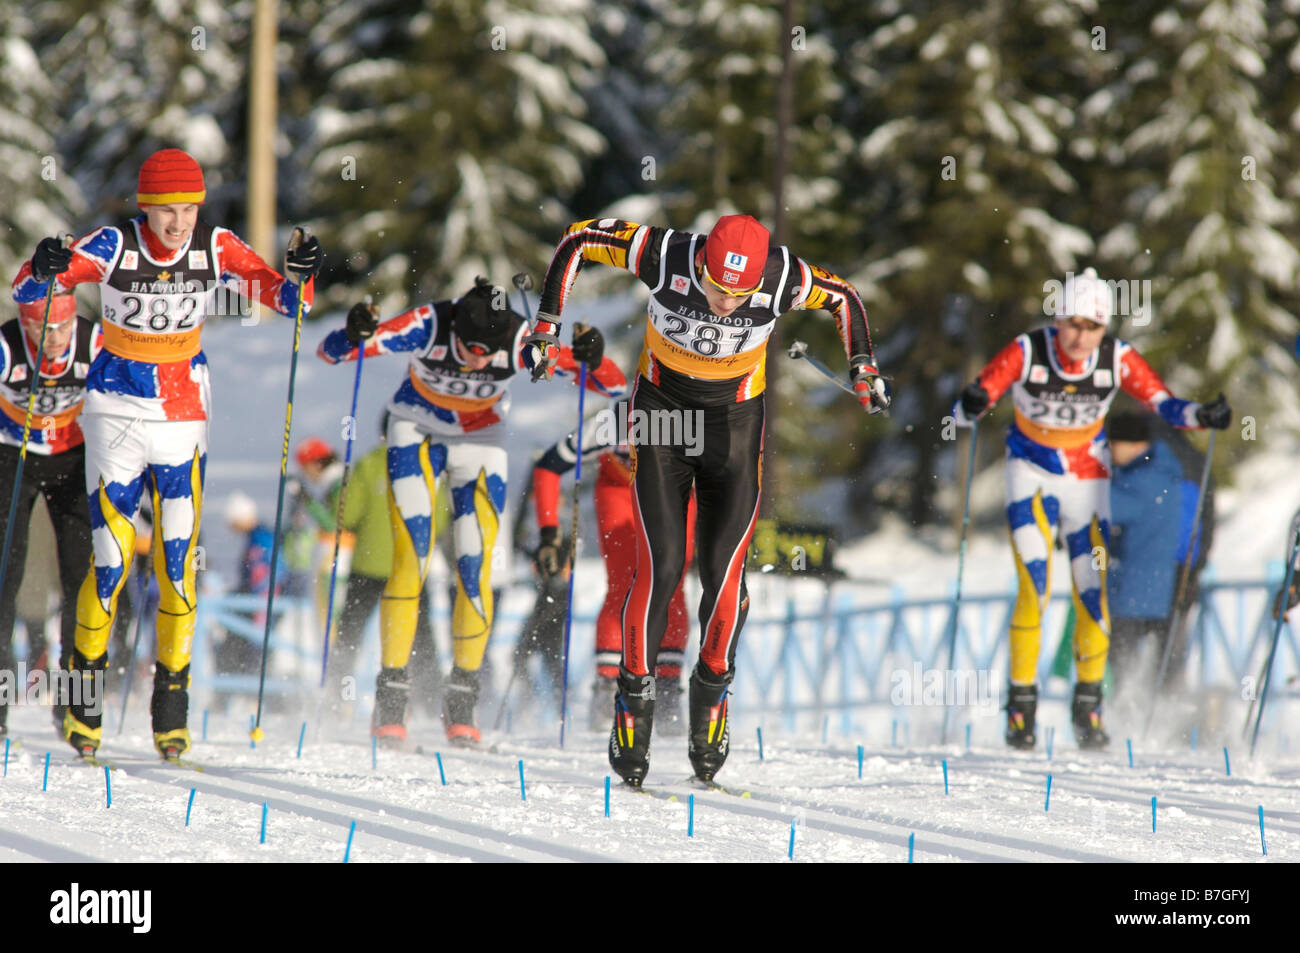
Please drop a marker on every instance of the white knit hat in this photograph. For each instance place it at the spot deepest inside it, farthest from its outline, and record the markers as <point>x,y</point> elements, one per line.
<point>1085,296</point>
<point>240,508</point>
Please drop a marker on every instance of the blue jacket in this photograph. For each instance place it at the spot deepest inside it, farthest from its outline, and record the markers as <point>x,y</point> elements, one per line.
<point>1147,507</point>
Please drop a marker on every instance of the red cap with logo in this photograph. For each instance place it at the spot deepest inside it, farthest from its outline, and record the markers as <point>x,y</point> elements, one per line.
<point>62,308</point>
<point>736,254</point>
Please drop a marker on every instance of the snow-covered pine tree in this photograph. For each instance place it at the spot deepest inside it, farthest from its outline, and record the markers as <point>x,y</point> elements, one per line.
<point>41,196</point>
<point>445,137</point>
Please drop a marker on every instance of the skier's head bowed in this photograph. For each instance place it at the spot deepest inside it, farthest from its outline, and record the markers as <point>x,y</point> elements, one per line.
<point>1083,313</point>
<point>169,191</point>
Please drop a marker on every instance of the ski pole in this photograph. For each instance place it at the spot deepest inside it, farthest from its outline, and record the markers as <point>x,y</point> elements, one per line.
<point>1292,553</point>
<point>1175,624</point>
<point>27,425</point>
<point>338,515</point>
<point>524,282</point>
<point>135,643</point>
<point>298,237</point>
<point>961,564</point>
<point>799,349</point>
<point>573,535</point>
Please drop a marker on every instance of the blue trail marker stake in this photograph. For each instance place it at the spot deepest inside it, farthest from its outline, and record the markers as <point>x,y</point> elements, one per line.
<point>1153,814</point>
<point>1129,742</point>
<point>523,795</point>
<point>302,733</point>
<point>791,854</point>
<point>945,777</point>
<point>6,758</point>
<point>911,843</point>
<point>607,795</point>
<point>760,744</point>
<point>1195,728</point>
<point>374,752</point>
<point>263,840</point>
<point>252,727</point>
<point>438,754</point>
<point>1051,737</point>
<point>205,726</point>
<point>1263,846</point>
<point>968,737</point>
<point>690,816</point>
<point>859,762</point>
<point>1047,804</point>
<point>347,851</point>
<point>1227,765</point>
<point>108,789</point>
<point>45,782</point>
<point>190,806</point>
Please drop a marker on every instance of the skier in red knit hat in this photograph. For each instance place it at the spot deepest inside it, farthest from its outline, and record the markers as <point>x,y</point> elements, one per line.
<point>146,411</point>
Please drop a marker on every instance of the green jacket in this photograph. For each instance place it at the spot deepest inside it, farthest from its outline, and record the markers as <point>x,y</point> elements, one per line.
<point>365,513</point>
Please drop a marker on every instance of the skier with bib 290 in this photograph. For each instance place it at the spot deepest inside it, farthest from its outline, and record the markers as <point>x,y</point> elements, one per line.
<point>714,300</point>
<point>447,421</point>
<point>147,409</point>
<point>1063,378</point>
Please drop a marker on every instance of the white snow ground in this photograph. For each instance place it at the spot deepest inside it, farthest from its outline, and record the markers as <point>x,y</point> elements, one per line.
<point>1100,807</point>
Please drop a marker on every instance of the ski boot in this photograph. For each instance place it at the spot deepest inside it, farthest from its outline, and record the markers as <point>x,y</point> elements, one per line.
<point>1087,716</point>
<point>668,706</point>
<point>459,701</point>
<point>84,715</point>
<point>602,693</point>
<point>169,708</point>
<point>710,734</point>
<point>1022,707</point>
<point>629,741</point>
<point>388,720</point>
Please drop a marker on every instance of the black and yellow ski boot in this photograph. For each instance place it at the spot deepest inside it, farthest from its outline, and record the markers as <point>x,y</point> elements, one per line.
<point>83,717</point>
<point>634,713</point>
<point>388,720</point>
<point>169,708</point>
<point>710,735</point>
<point>1086,711</point>
<point>1022,710</point>
<point>460,707</point>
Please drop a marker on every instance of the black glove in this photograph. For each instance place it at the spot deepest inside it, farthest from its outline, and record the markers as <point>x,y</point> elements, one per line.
<point>588,345</point>
<point>1217,415</point>
<point>362,323</point>
<point>304,262</point>
<point>550,553</point>
<point>542,346</point>
<point>51,259</point>
<point>974,400</point>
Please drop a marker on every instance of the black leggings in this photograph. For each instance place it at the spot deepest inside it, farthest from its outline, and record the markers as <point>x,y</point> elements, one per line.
<point>726,476</point>
<point>61,479</point>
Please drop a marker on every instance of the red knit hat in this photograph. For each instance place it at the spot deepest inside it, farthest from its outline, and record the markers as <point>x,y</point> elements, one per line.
<point>62,307</point>
<point>170,177</point>
<point>313,450</point>
<point>736,254</point>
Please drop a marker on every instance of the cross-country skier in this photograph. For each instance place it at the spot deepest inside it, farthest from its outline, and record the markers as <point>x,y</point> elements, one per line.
<point>615,522</point>
<point>448,420</point>
<point>1063,378</point>
<point>56,452</point>
<point>147,407</point>
<point>713,302</point>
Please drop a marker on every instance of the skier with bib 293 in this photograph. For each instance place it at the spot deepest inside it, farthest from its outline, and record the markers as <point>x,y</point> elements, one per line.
<point>1063,378</point>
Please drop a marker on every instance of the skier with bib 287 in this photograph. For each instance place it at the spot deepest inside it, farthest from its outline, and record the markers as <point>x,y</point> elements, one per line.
<point>147,409</point>
<point>1063,378</point>
<point>447,421</point>
<point>714,300</point>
